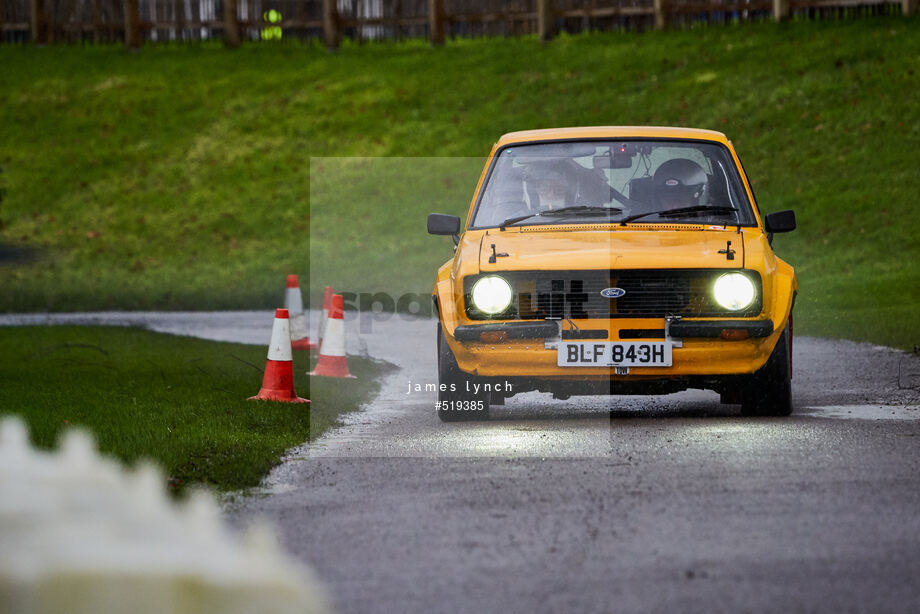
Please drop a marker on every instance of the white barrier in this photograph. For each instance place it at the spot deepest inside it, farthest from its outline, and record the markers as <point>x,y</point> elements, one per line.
<point>80,534</point>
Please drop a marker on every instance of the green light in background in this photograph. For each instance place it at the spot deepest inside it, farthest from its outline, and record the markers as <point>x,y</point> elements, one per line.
<point>272,33</point>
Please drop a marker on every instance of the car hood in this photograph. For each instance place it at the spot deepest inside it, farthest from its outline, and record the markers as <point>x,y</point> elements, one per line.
<point>688,247</point>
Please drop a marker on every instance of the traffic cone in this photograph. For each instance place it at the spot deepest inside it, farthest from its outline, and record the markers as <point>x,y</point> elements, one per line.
<point>327,305</point>
<point>278,382</point>
<point>332,361</point>
<point>293,302</point>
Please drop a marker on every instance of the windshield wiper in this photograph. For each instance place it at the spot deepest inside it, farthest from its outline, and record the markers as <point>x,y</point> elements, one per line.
<point>564,211</point>
<point>519,218</point>
<point>582,209</point>
<point>680,211</point>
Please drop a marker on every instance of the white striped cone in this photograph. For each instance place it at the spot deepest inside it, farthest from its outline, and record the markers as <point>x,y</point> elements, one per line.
<point>332,360</point>
<point>293,302</point>
<point>278,381</point>
<point>327,305</point>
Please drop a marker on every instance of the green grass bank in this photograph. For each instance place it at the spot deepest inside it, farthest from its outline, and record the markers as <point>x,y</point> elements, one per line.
<point>179,177</point>
<point>178,401</point>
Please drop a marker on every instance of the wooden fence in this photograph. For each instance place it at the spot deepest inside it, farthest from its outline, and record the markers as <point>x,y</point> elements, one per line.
<point>136,21</point>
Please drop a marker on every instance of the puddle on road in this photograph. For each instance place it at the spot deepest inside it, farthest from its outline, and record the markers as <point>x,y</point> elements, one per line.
<point>864,412</point>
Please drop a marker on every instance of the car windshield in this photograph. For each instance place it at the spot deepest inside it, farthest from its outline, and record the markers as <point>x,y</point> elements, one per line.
<point>638,181</point>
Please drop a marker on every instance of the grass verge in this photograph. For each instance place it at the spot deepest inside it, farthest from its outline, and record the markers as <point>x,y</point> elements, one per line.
<point>178,401</point>
<point>178,177</point>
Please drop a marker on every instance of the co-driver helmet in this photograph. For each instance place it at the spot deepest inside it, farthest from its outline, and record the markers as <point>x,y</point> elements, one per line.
<point>680,183</point>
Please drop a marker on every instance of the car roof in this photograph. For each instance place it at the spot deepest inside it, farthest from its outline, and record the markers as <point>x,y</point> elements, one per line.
<point>614,132</point>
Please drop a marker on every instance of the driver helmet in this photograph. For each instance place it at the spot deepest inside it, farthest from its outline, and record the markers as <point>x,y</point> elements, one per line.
<point>680,183</point>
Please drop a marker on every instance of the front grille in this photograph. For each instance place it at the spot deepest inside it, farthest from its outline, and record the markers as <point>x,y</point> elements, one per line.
<point>646,293</point>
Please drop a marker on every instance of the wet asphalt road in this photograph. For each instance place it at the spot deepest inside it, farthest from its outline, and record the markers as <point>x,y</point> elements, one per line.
<point>599,504</point>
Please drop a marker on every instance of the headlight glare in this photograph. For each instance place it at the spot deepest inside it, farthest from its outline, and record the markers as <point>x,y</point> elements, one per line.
<point>734,291</point>
<point>492,294</point>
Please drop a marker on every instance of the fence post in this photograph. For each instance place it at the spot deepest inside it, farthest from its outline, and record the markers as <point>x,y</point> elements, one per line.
<point>780,10</point>
<point>132,24</point>
<point>330,24</point>
<point>180,19</point>
<point>231,25</point>
<point>662,14</point>
<point>908,7</point>
<point>436,21</point>
<point>196,20</point>
<point>39,22</point>
<point>97,21</point>
<point>546,20</point>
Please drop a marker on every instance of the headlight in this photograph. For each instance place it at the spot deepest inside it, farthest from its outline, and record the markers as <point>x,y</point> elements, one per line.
<point>734,291</point>
<point>491,295</point>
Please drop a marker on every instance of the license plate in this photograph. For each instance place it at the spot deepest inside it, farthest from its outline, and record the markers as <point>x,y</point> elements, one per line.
<point>612,354</point>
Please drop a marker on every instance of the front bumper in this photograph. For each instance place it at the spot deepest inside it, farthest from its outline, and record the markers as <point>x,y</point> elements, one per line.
<point>528,349</point>
<point>549,329</point>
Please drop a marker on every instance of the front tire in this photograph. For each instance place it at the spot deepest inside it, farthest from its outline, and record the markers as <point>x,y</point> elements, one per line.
<point>769,391</point>
<point>455,404</point>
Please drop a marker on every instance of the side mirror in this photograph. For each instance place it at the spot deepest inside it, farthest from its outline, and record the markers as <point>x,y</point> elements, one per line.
<point>441,224</point>
<point>781,221</point>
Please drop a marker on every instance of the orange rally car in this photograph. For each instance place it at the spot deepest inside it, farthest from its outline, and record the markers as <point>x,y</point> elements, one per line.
<point>614,260</point>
